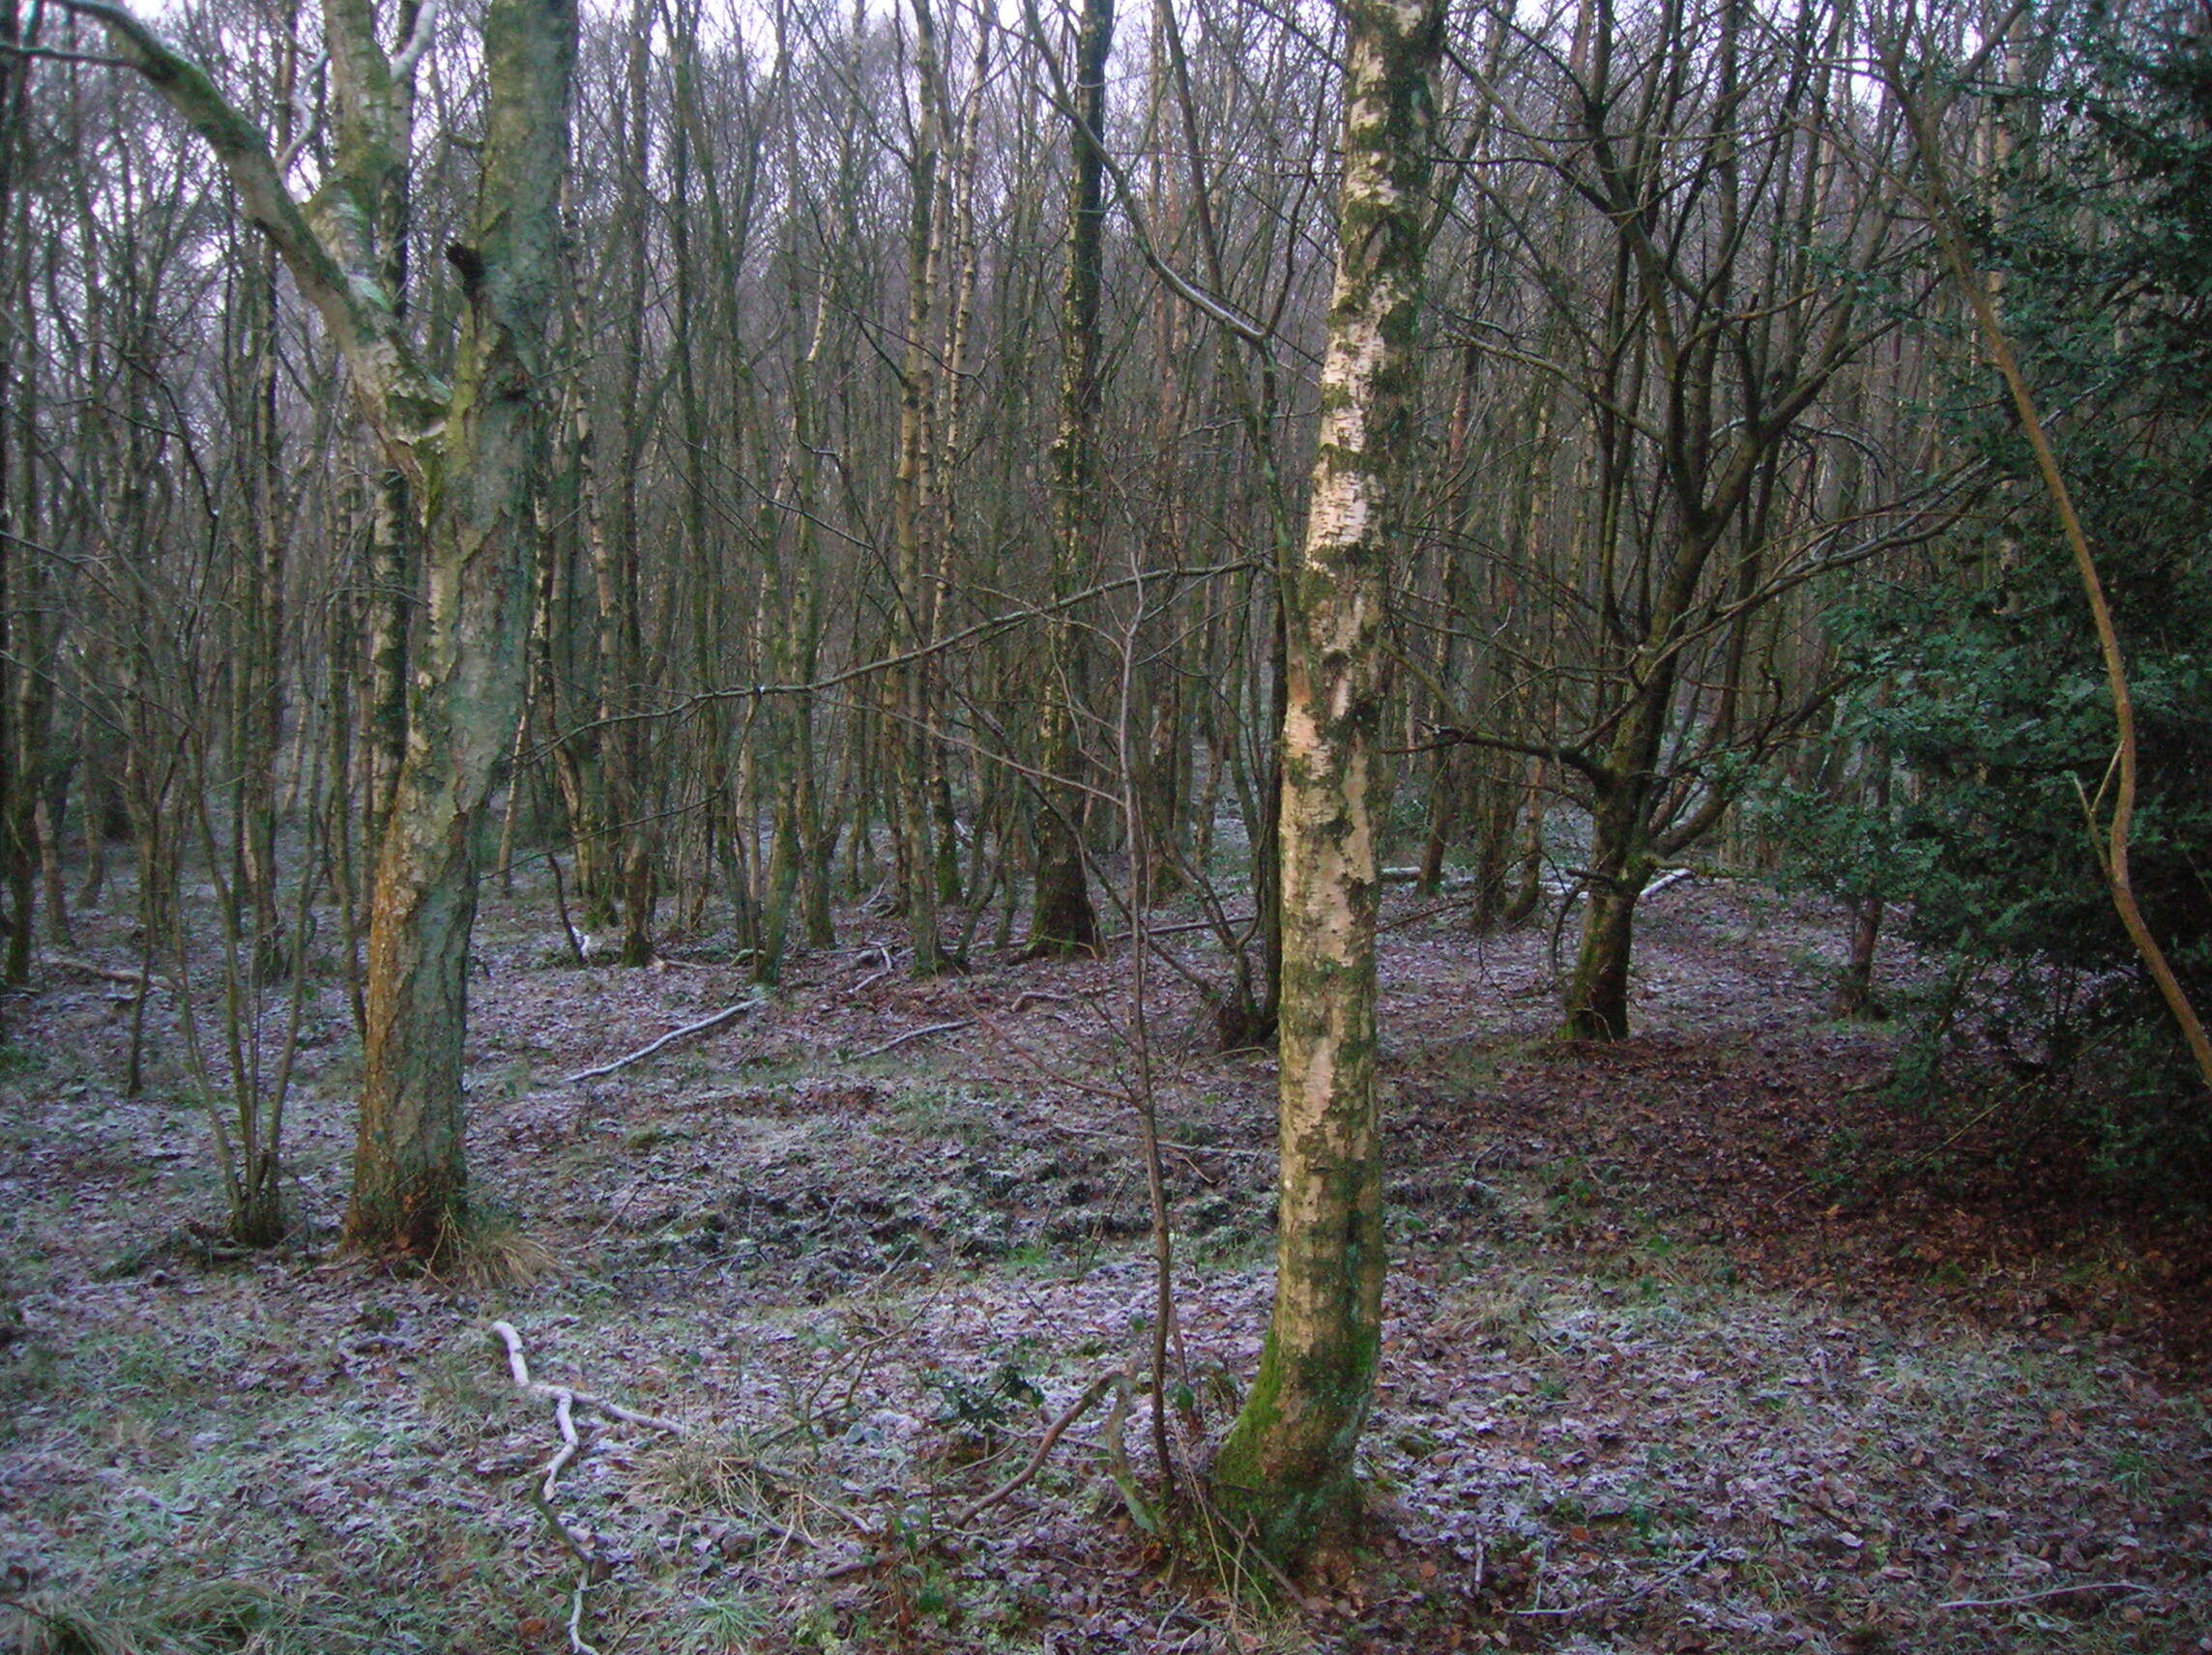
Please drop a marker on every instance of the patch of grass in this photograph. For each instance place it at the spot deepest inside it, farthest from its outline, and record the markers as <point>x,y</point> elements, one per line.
<point>1037,1257</point>
<point>17,1060</point>
<point>493,1250</point>
<point>1503,1308</point>
<point>1232,1247</point>
<point>941,1114</point>
<point>203,1617</point>
<point>465,1381</point>
<point>726,1625</point>
<point>714,1471</point>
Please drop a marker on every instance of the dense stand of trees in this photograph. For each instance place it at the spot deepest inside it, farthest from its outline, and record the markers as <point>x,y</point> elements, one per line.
<point>762,460</point>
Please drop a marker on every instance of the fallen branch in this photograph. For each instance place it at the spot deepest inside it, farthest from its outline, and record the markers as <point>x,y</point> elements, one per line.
<point>520,1369</point>
<point>1052,1434</point>
<point>876,976</point>
<point>705,1024</point>
<point>576,1644</point>
<point>567,1399</point>
<point>1447,881</point>
<point>107,973</point>
<point>1181,926</point>
<point>1165,1144</point>
<point>2047,1592</point>
<point>911,1035</point>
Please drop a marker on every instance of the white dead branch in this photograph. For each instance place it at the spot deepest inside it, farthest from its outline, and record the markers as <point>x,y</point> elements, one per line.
<point>565,1400</point>
<point>705,1024</point>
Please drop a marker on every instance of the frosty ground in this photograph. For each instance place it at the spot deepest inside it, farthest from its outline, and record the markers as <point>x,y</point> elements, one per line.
<point>1699,1342</point>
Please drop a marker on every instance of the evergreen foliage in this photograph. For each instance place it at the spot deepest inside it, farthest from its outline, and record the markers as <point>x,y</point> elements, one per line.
<point>1983,685</point>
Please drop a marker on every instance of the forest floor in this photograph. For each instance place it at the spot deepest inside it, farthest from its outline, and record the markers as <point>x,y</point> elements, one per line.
<point>1695,1343</point>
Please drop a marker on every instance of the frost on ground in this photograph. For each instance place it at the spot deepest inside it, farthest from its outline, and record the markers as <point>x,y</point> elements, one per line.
<point>1696,1344</point>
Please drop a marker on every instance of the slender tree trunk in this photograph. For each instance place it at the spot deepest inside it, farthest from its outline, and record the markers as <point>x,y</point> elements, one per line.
<point>913,604</point>
<point>636,858</point>
<point>1062,919</point>
<point>1286,1467</point>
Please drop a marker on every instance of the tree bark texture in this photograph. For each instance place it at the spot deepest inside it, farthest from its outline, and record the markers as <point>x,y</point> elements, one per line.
<point>409,1172</point>
<point>1062,919</point>
<point>1286,1467</point>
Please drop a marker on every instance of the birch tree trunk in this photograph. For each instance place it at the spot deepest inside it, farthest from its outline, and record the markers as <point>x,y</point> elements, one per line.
<point>469,451</point>
<point>1286,1467</point>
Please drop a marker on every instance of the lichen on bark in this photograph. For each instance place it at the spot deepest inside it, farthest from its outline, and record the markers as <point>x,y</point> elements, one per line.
<point>1285,1471</point>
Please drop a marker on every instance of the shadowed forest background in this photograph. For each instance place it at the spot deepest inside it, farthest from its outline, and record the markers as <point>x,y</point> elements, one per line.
<point>672,681</point>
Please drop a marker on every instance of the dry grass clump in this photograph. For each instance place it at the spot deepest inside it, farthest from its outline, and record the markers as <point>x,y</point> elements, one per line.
<point>208,1617</point>
<point>491,1250</point>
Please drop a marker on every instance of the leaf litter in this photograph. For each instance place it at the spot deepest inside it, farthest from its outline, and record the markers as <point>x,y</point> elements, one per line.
<point>1695,1342</point>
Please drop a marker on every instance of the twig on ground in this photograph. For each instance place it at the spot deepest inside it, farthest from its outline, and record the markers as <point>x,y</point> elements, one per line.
<point>567,1399</point>
<point>911,1035</point>
<point>1052,1434</point>
<point>728,1013</point>
<point>1185,1149</point>
<point>614,1218</point>
<point>2047,1592</point>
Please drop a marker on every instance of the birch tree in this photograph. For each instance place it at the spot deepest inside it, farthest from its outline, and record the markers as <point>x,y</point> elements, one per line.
<point>468,449</point>
<point>1286,1467</point>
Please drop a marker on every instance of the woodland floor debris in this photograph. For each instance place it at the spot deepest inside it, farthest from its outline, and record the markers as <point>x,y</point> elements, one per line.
<point>1695,1343</point>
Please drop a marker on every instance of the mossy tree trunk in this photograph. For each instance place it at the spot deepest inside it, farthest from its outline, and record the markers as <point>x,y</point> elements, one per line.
<point>409,1172</point>
<point>1621,862</point>
<point>1286,1469</point>
<point>469,451</point>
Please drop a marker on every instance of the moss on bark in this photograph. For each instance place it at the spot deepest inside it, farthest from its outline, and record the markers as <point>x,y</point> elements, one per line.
<point>1285,1471</point>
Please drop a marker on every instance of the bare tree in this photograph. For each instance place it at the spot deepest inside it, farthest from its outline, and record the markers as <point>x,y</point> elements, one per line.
<point>1286,1467</point>
<point>468,449</point>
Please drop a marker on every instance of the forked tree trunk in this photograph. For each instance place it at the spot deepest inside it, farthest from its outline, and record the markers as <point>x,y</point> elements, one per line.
<point>409,1171</point>
<point>1286,1467</point>
<point>469,451</point>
